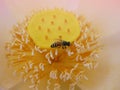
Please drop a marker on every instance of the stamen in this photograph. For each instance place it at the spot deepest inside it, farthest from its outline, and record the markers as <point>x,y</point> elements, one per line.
<point>48,58</point>
<point>31,76</point>
<point>76,44</point>
<point>87,65</point>
<point>69,52</point>
<point>18,40</point>
<point>13,43</point>
<point>32,86</point>
<point>38,81</point>
<point>30,64</point>
<point>56,52</point>
<point>81,59</point>
<point>48,87</point>
<point>36,76</point>
<point>48,84</point>
<point>74,68</point>
<point>19,57</point>
<point>33,52</point>
<point>77,57</point>
<point>91,65</point>
<point>26,68</point>
<point>36,88</point>
<point>96,65</point>
<point>36,69</point>
<point>65,76</point>
<point>78,77</point>
<point>84,36</point>
<point>72,86</point>
<point>41,66</point>
<point>94,55</point>
<point>22,38</point>
<point>21,46</point>
<point>27,40</point>
<point>24,79</point>
<point>92,37</point>
<point>85,77</point>
<point>18,33</point>
<point>86,30</point>
<point>32,80</point>
<point>23,31</point>
<point>53,74</point>
<point>51,55</point>
<point>39,50</point>
<point>56,86</point>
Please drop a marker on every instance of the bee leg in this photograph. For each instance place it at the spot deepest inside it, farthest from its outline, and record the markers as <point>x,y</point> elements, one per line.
<point>62,47</point>
<point>58,46</point>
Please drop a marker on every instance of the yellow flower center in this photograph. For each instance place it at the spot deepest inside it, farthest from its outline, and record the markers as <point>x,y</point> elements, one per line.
<point>46,27</point>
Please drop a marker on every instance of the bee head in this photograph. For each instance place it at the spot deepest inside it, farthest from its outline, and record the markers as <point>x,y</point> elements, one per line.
<point>68,43</point>
<point>51,46</point>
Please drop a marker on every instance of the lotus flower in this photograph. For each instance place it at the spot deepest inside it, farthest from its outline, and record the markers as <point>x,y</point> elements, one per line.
<point>31,55</point>
<point>31,58</point>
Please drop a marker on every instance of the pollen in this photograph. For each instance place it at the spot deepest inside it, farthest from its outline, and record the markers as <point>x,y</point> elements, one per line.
<point>46,37</point>
<point>30,54</point>
<point>48,30</point>
<point>52,23</point>
<point>42,19</point>
<point>60,37</point>
<point>39,27</point>
<point>59,28</point>
<point>65,20</point>
<point>68,30</point>
<point>54,16</point>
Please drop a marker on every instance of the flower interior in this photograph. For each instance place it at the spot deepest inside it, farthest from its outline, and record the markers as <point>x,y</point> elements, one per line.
<point>30,54</point>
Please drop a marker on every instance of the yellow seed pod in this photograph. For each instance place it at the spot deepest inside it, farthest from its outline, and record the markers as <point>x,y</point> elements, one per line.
<point>47,26</point>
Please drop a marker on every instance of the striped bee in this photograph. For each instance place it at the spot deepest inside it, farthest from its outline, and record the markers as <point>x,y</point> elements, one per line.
<point>60,43</point>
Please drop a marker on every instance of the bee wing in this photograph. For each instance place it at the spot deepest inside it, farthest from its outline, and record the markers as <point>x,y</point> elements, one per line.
<point>58,40</point>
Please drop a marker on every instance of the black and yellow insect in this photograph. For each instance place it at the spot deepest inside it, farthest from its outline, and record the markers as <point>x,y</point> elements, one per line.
<point>60,43</point>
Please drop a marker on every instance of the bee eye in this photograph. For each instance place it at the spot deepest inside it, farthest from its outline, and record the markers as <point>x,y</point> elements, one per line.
<point>68,43</point>
<point>63,43</point>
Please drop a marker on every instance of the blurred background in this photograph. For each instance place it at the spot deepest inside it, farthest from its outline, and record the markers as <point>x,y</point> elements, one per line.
<point>104,12</point>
